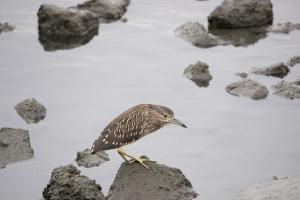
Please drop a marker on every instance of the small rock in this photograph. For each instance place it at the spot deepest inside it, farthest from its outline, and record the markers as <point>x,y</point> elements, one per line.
<point>106,10</point>
<point>67,183</point>
<point>242,74</point>
<point>65,28</point>
<point>289,90</point>
<point>87,159</point>
<point>124,20</point>
<point>280,189</point>
<point>199,74</point>
<point>159,182</point>
<point>15,146</point>
<point>31,111</point>
<point>293,61</point>
<point>241,14</point>
<point>279,70</point>
<point>285,27</point>
<point>196,34</point>
<point>248,88</point>
<point>6,27</point>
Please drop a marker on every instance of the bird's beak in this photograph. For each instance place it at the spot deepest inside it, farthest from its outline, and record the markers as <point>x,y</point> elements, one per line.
<point>177,122</point>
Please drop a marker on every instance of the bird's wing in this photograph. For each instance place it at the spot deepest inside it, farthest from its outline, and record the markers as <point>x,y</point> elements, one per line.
<point>123,130</point>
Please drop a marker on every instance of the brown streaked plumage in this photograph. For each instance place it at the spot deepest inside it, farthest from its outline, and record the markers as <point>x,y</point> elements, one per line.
<point>132,125</point>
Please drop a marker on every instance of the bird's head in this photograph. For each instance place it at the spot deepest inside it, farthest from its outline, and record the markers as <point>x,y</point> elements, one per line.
<point>163,115</point>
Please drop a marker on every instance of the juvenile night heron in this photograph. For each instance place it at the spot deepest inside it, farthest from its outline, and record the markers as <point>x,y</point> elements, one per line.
<point>132,125</point>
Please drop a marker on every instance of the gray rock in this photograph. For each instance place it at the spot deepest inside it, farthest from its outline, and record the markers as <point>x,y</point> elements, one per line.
<point>285,27</point>
<point>65,28</point>
<point>240,36</point>
<point>15,146</point>
<point>133,181</point>
<point>289,90</point>
<point>279,70</point>
<point>106,10</point>
<point>87,159</point>
<point>196,34</point>
<point>293,61</point>
<point>66,183</point>
<point>242,74</point>
<point>31,111</point>
<point>199,74</point>
<point>281,189</point>
<point>241,14</point>
<point>248,88</point>
<point>6,27</point>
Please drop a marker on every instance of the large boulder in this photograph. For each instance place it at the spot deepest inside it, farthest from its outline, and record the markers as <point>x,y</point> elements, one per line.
<point>66,183</point>
<point>106,10</point>
<point>14,146</point>
<point>278,189</point>
<point>31,111</point>
<point>199,74</point>
<point>241,14</point>
<point>196,34</point>
<point>65,28</point>
<point>87,159</point>
<point>278,70</point>
<point>160,182</point>
<point>289,90</point>
<point>248,88</point>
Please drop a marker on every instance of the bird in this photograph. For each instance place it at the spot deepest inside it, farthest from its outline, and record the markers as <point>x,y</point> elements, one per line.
<point>132,125</point>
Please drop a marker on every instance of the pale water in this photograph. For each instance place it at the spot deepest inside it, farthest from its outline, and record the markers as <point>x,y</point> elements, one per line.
<point>230,142</point>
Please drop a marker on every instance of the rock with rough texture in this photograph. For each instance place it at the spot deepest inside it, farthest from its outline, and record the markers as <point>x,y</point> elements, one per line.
<point>285,27</point>
<point>199,74</point>
<point>248,88</point>
<point>196,34</point>
<point>160,182</point>
<point>31,111</point>
<point>14,146</point>
<point>66,183</point>
<point>106,10</point>
<point>280,189</point>
<point>87,159</point>
<point>6,27</point>
<point>289,90</point>
<point>293,61</point>
<point>242,74</point>
<point>65,28</point>
<point>241,14</point>
<point>279,70</point>
<point>240,36</point>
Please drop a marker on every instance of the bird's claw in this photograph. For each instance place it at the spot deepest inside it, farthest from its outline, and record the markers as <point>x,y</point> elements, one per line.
<point>141,160</point>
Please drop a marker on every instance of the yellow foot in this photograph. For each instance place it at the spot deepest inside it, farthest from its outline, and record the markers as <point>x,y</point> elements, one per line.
<point>141,160</point>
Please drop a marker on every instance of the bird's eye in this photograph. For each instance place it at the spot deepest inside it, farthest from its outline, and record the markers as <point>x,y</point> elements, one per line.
<point>165,116</point>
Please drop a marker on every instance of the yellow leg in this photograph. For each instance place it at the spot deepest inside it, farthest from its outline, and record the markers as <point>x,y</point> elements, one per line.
<point>123,154</point>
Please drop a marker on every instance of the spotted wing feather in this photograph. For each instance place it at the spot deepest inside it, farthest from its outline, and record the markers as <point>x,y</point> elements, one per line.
<point>125,129</point>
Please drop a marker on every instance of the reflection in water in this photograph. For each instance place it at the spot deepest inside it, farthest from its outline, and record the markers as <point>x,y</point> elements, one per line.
<point>241,37</point>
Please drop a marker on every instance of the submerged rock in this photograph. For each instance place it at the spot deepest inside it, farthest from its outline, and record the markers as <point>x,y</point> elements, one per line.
<point>196,34</point>
<point>87,159</point>
<point>279,70</point>
<point>106,10</point>
<point>65,28</point>
<point>199,74</point>
<point>14,146</point>
<point>293,61</point>
<point>285,27</point>
<point>160,182</point>
<point>241,14</point>
<point>6,27</point>
<point>31,111</point>
<point>289,90</point>
<point>280,189</point>
<point>248,88</point>
<point>66,183</point>
<point>242,74</point>
<point>240,36</point>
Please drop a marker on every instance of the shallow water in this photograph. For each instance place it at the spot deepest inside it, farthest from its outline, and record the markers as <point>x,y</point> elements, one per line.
<point>230,142</point>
